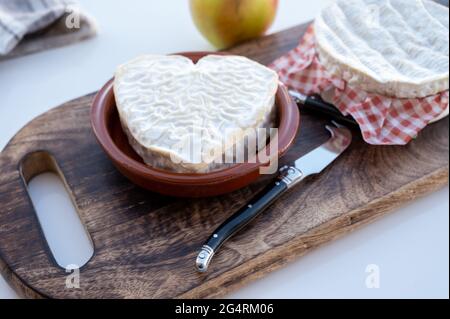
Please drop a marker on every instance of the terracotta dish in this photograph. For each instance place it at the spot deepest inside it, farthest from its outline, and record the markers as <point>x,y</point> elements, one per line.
<point>107,128</point>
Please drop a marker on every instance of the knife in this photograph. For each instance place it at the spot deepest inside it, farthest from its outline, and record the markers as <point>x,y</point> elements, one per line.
<point>315,104</point>
<point>289,176</point>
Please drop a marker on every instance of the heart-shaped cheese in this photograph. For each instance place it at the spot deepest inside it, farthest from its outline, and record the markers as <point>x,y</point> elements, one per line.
<point>165,102</point>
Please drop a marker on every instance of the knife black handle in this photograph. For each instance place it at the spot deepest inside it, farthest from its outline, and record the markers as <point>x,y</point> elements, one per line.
<point>238,220</point>
<point>315,104</point>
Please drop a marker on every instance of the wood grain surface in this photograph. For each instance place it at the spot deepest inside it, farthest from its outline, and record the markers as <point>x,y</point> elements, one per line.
<point>145,244</point>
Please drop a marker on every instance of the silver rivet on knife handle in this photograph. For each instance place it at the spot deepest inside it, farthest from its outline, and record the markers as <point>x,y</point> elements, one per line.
<point>204,258</point>
<point>290,175</point>
<point>298,97</point>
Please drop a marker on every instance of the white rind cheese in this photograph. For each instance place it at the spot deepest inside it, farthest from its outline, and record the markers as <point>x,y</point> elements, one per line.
<point>165,102</point>
<point>396,48</point>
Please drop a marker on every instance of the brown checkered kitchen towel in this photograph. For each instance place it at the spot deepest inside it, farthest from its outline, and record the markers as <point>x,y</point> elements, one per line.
<point>20,18</point>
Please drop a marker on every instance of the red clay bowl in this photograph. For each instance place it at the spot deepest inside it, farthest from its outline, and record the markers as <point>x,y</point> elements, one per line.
<point>106,125</point>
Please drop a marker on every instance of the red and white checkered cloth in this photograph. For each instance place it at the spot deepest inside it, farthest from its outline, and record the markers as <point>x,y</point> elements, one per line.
<point>383,120</point>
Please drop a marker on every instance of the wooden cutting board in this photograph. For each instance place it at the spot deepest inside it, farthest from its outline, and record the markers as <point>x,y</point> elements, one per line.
<point>146,244</point>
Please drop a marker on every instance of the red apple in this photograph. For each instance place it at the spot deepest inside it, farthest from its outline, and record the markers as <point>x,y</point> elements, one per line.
<point>228,22</point>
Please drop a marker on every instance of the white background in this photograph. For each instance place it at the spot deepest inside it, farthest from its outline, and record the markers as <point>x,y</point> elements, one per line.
<point>411,246</point>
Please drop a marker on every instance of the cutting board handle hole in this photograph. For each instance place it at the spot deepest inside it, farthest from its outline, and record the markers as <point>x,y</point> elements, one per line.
<point>66,236</point>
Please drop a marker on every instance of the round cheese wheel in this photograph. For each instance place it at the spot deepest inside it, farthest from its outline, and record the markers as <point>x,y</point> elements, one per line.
<point>396,48</point>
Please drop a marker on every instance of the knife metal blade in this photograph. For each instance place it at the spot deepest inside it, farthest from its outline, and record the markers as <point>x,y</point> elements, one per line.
<point>317,160</point>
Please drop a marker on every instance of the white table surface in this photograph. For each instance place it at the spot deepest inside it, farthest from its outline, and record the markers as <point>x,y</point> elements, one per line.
<point>410,246</point>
